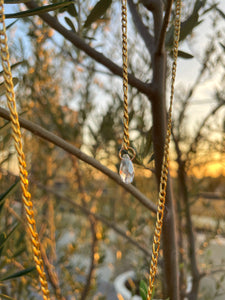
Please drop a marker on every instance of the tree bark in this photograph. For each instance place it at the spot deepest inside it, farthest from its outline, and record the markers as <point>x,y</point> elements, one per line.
<point>190,233</point>
<point>169,241</point>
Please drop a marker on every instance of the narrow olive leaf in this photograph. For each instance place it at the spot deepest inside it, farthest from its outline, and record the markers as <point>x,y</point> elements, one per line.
<point>153,293</point>
<point>221,12</point>
<point>9,234</point>
<point>18,274</point>
<point>19,252</point>
<point>70,23</point>
<point>5,126</point>
<point>39,10</point>
<point>184,54</point>
<point>89,38</point>
<point>151,158</point>
<point>2,238</point>
<point>223,46</point>
<point>11,24</point>
<point>99,9</point>
<point>2,296</point>
<point>148,143</point>
<point>6,193</point>
<point>2,86</point>
<point>2,241</point>
<point>15,1</point>
<point>16,64</point>
<point>210,8</point>
<point>186,27</point>
<point>143,288</point>
<point>71,9</point>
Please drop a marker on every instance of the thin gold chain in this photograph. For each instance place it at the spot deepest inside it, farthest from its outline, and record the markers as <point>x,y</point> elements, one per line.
<point>16,133</point>
<point>165,164</point>
<point>126,140</point>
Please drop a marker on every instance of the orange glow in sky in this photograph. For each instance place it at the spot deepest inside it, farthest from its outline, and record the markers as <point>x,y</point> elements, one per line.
<point>213,169</point>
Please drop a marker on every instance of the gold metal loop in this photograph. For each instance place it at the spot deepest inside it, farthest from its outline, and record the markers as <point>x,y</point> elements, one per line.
<point>133,152</point>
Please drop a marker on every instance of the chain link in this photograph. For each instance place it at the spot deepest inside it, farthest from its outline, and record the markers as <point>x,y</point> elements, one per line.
<point>16,133</point>
<point>126,140</point>
<point>165,165</point>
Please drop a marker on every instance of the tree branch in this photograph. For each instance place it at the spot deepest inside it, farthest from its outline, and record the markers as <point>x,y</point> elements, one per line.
<point>87,212</point>
<point>141,28</point>
<point>182,179</point>
<point>100,218</point>
<point>156,7</point>
<point>52,275</point>
<point>78,42</point>
<point>92,222</point>
<point>193,147</point>
<point>162,35</point>
<point>52,138</point>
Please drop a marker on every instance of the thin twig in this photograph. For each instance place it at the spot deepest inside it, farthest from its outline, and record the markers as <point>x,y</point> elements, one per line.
<point>94,242</point>
<point>193,147</point>
<point>87,212</point>
<point>52,275</point>
<point>162,36</point>
<point>78,42</point>
<point>52,138</point>
<point>100,218</point>
<point>156,7</point>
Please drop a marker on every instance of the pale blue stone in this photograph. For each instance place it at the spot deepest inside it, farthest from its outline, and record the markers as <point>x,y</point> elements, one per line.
<point>126,169</point>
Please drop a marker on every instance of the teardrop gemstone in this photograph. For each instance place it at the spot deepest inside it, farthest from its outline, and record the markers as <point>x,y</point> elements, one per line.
<point>126,169</point>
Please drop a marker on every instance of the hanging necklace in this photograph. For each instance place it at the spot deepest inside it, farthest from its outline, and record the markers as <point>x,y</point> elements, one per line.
<point>165,164</point>
<point>127,153</point>
<point>16,134</point>
<point>126,167</point>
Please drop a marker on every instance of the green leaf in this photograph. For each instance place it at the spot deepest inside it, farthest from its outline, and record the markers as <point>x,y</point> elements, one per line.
<point>15,1</point>
<point>187,26</point>
<point>2,241</point>
<point>2,296</point>
<point>221,12</point>
<point>184,54</point>
<point>153,293</point>
<point>71,9</point>
<point>19,252</point>
<point>16,64</point>
<point>210,8</point>
<point>2,238</point>
<point>2,86</point>
<point>39,10</point>
<point>5,237</point>
<point>70,23</point>
<point>18,274</point>
<point>5,194</point>
<point>143,288</point>
<point>151,158</point>
<point>11,24</point>
<point>223,46</point>
<point>98,10</point>
<point>5,126</point>
<point>148,143</point>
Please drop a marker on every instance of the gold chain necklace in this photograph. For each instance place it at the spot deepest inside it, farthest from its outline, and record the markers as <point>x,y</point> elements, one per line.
<point>16,134</point>
<point>126,167</point>
<point>165,164</point>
